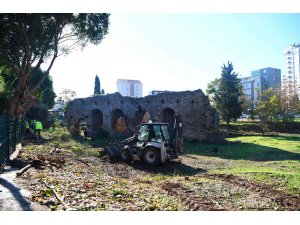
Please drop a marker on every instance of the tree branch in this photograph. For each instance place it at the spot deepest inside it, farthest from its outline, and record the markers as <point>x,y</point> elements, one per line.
<point>55,194</point>
<point>69,48</point>
<point>38,84</point>
<point>26,47</point>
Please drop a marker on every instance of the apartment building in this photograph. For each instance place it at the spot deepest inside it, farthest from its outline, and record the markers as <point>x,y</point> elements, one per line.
<point>131,88</point>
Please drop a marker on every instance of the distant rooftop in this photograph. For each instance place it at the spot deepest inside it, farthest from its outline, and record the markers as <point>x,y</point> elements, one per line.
<point>257,72</point>
<point>128,80</point>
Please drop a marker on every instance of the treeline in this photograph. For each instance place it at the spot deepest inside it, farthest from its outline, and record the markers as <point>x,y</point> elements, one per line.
<point>227,97</point>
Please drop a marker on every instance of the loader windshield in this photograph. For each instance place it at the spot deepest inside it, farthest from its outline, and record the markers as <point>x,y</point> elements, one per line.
<point>143,133</point>
<point>165,132</point>
<point>153,132</point>
<point>160,133</point>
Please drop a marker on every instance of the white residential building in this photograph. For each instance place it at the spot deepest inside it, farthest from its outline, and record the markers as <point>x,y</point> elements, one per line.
<point>291,79</point>
<point>131,88</point>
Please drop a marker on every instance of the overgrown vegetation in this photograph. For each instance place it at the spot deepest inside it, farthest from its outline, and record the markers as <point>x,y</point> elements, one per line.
<point>278,105</point>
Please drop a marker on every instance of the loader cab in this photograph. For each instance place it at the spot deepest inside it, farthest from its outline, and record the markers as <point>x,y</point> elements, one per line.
<point>152,132</point>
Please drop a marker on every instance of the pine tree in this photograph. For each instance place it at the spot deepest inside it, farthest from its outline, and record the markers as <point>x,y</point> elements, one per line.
<point>97,86</point>
<point>228,94</point>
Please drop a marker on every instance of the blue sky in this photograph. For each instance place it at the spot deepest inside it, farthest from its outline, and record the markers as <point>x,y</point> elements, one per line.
<point>178,51</point>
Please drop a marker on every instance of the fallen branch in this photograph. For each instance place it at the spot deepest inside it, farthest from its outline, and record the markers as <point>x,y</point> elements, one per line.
<point>56,150</point>
<point>55,194</point>
<point>23,170</point>
<point>50,167</point>
<point>36,163</point>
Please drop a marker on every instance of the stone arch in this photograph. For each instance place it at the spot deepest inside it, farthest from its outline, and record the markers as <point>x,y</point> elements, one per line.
<point>119,125</point>
<point>118,120</point>
<point>94,122</point>
<point>141,116</point>
<point>96,119</point>
<point>167,116</point>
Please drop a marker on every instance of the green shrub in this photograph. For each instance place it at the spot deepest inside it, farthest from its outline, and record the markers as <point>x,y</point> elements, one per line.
<point>61,135</point>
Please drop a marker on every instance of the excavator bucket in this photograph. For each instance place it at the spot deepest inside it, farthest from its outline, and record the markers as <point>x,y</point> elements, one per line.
<point>113,150</point>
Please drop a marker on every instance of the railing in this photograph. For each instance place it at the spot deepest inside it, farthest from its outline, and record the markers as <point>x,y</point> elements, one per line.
<point>11,133</point>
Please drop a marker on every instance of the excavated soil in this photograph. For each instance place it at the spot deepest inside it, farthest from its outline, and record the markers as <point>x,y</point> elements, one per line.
<point>284,201</point>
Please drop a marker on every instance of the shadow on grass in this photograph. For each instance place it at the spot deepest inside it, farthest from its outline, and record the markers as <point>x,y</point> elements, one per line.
<point>243,151</point>
<point>35,140</point>
<point>168,168</point>
<point>101,142</point>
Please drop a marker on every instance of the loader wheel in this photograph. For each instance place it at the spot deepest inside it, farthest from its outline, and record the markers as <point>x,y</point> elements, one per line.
<point>125,155</point>
<point>151,156</point>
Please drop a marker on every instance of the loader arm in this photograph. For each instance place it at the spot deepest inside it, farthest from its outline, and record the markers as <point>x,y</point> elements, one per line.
<point>176,133</point>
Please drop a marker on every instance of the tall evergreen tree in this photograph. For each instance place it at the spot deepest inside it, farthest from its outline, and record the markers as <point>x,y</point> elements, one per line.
<point>226,94</point>
<point>97,86</point>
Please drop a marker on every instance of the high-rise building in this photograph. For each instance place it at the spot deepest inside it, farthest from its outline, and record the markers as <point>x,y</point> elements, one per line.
<point>259,81</point>
<point>131,88</point>
<point>291,79</point>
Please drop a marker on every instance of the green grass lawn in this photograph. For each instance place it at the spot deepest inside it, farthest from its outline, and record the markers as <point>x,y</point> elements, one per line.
<point>274,160</point>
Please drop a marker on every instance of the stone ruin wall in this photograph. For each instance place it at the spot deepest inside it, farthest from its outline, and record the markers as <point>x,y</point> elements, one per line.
<point>200,120</point>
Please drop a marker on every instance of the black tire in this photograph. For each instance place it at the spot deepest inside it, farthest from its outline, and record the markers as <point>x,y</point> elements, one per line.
<point>125,155</point>
<point>151,156</point>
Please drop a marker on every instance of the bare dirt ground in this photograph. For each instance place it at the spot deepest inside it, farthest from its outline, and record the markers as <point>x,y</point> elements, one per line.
<point>93,183</point>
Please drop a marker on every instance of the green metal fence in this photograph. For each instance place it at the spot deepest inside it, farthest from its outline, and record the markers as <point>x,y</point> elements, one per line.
<point>11,133</point>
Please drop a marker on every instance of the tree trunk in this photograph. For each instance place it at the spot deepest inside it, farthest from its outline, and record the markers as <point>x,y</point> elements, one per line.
<point>19,91</point>
<point>13,105</point>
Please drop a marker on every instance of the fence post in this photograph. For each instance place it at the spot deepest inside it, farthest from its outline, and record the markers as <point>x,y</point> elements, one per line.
<point>8,141</point>
<point>16,134</point>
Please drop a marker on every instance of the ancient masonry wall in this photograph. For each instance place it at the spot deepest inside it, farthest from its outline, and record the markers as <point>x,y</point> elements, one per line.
<point>200,120</point>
